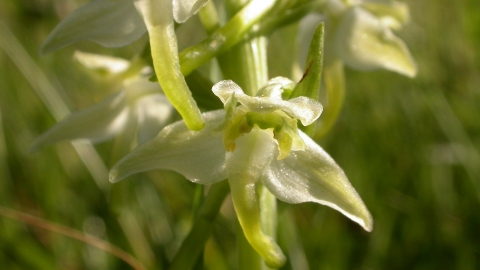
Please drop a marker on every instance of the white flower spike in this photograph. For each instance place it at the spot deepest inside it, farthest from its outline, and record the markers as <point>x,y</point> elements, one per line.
<point>257,141</point>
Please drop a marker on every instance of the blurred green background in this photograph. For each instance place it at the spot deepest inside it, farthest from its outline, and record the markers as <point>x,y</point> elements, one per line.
<point>409,146</point>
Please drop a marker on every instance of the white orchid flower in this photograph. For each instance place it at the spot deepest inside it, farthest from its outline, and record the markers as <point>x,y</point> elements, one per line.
<point>255,142</point>
<point>360,35</point>
<point>139,105</point>
<point>115,23</point>
<point>111,23</point>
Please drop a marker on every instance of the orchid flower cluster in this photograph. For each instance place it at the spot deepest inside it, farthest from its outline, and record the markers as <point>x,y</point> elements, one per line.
<point>260,137</point>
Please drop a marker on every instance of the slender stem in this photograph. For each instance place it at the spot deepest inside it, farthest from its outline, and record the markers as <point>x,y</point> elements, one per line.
<point>209,17</point>
<point>194,243</point>
<point>290,239</point>
<point>225,37</point>
<point>57,228</point>
<point>335,84</point>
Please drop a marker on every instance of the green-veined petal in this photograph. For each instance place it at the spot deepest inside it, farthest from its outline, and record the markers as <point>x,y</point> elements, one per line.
<point>313,176</point>
<point>363,42</point>
<point>197,155</point>
<point>95,123</point>
<point>109,23</point>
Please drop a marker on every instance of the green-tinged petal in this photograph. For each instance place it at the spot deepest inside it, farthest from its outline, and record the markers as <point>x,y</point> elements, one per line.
<point>245,166</point>
<point>304,109</point>
<point>96,123</point>
<point>153,113</point>
<point>394,13</point>
<point>110,64</point>
<point>363,42</point>
<point>275,87</point>
<point>158,17</point>
<point>184,9</point>
<point>313,176</point>
<point>109,23</point>
<point>197,155</point>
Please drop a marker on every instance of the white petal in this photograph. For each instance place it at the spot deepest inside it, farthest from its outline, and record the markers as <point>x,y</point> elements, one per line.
<point>225,89</point>
<point>109,23</point>
<point>153,113</point>
<point>275,87</point>
<point>363,42</point>
<point>96,123</point>
<point>313,176</point>
<point>304,109</point>
<point>110,64</point>
<point>184,9</point>
<point>197,155</point>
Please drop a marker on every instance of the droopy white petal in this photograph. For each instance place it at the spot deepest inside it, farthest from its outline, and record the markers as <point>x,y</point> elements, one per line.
<point>109,23</point>
<point>197,155</point>
<point>184,9</point>
<point>103,62</point>
<point>95,123</point>
<point>153,113</point>
<point>302,108</point>
<point>313,176</point>
<point>365,43</point>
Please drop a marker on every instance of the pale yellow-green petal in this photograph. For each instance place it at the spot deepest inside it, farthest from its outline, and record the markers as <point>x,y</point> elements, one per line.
<point>197,155</point>
<point>363,42</point>
<point>313,176</point>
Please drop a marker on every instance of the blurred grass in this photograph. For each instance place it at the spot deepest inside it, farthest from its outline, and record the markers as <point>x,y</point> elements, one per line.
<point>410,148</point>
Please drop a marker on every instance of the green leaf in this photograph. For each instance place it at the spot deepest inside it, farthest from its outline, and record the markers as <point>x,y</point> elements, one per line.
<point>309,85</point>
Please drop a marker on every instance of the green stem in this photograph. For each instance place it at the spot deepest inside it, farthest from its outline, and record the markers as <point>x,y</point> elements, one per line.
<point>225,37</point>
<point>250,71</point>
<point>194,243</point>
<point>209,17</point>
<point>335,84</point>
